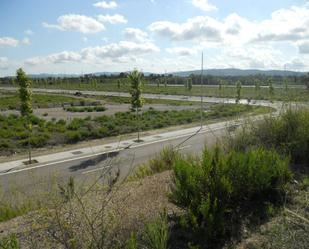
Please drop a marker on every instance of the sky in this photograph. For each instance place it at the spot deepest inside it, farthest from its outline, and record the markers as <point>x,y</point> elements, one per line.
<point>87,36</point>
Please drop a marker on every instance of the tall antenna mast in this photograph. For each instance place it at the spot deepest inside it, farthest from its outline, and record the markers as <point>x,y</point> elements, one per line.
<point>202,72</point>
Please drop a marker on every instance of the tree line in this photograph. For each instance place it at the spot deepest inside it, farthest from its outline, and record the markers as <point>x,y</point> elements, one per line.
<point>166,79</point>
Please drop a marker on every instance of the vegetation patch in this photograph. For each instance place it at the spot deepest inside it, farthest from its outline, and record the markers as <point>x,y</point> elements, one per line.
<point>12,102</point>
<point>14,136</point>
<point>221,191</point>
<point>85,109</point>
<point>289,134</point>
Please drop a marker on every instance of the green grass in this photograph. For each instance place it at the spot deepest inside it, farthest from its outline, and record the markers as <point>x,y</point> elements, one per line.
<point>14,136</point>
<point>293,94</point>
<point>11,101</point>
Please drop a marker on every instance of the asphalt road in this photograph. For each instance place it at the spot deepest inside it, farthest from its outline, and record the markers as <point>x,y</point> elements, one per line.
<point>87,170</point>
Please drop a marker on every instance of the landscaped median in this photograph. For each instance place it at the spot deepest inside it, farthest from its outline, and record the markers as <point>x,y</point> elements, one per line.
<point>14,136</point>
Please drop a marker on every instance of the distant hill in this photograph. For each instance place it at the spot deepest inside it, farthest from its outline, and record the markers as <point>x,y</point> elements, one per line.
<point>240,72</point>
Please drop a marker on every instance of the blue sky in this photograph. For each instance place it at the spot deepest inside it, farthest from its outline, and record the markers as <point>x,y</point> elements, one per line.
<point>84,36</point>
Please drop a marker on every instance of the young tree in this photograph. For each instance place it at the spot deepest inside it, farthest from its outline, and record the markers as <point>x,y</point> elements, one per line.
<point>221,83</point>
<point>118,84</point>
<point>25,95</point>
<point>286,87</point>
<point>238,91</point>
<point>158,83</point>
<point>271,88</point>
<point>189,84</point>
<point>137,101</point>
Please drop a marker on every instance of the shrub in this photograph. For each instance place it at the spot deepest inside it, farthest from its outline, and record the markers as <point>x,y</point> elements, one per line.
<point>223,186</point>
<point>162,162</point>
<point>289,134</point>
<point>156,234</point>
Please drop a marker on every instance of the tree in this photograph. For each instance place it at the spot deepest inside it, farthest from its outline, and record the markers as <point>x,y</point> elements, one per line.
<point>286,85</point>
<point>158,83</point>
<point>189,84</point>
<point>271,88</point>
<point>221,83</point>
<point>137,101</point>
<point>238,91</point>
<point>25,95</point>
<point>118,84</point>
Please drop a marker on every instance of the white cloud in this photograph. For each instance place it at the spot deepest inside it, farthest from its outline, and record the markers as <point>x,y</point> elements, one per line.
<point>62,57</point>
<point>79,23</point>
<point>182,51</point>
<point>29,32</point>
<point>204,5</point>
<point>290,24</point>
<point>304,47</point>
<point>284,25</point>
<point>119,51</point>
<point>106,5</point>
<point>26,41</point>
<point>8,41</point>
<point>4,63</point>
<point>112,19</point>
<point>135,34</point>
<point>123,51</point>
<point>200,27</point>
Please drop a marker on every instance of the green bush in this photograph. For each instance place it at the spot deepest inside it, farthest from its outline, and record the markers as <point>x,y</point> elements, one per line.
<point>156,234</point>
<point>163,161</point>
<point>223,186</point>
<point>289,134</point>
<point>86,109</point>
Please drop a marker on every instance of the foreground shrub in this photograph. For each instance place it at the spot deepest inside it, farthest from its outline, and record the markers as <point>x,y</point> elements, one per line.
<point>160,163</point>
<point>221,188</point>
<point>156,233</point>
<point>289,134</point>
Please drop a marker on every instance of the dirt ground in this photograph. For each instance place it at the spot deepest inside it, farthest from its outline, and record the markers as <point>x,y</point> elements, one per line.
<point>134,202</point>
<point>59,113</point>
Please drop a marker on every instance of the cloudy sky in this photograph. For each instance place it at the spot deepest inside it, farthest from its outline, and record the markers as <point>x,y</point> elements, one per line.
<point>83,36</point>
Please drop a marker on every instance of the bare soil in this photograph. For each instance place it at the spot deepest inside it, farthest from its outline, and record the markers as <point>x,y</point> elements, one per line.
<point>60,113</point>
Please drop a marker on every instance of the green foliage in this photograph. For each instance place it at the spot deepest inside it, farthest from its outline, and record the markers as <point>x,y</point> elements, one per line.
<point>271,88</point>
<point>9,242</point>
<point>238,91</point>
<point>160,163</point>
<point>189,84</point>
<point>289,134</point>
<point>156,234</point>
<point>131,242</point>
<point>9,210</point>
<point>25,92</point>
<point>14,134</point>
<point>136,89</point>
<point>222,187</point>
<point>86,109</point>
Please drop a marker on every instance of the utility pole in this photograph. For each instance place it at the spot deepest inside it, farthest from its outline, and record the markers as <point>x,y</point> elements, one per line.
<point>202,89</point>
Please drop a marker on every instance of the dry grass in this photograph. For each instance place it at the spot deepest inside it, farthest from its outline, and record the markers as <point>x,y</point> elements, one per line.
<point>133,204</point>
